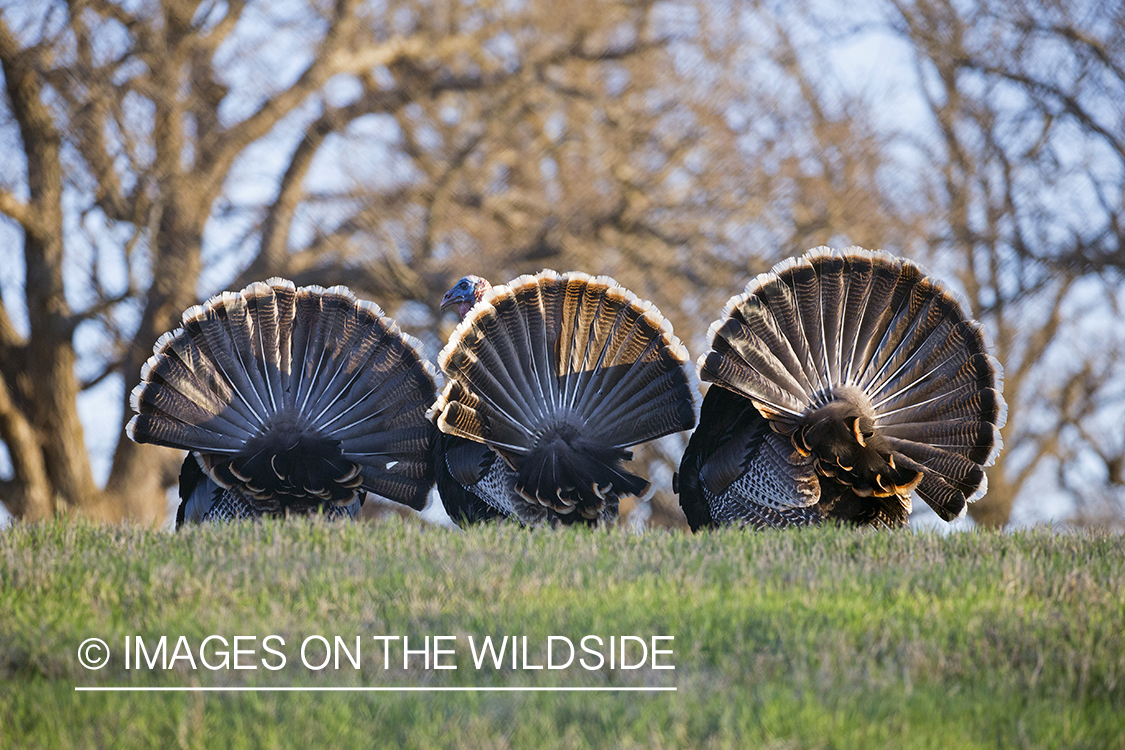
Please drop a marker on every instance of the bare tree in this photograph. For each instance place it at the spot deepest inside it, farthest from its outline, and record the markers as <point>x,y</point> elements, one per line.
<point>120,110</point>
<point>139,120</point>
<point>167,150</point>
<point>560,133</point>
<point>1026,200</point>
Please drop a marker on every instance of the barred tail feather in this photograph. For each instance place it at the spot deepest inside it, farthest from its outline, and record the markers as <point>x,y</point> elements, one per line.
<point>873,370</point>
<point>293,396</point>
<point>560,373</point>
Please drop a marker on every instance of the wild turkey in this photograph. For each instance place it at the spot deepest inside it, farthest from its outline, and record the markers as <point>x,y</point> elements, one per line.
<point>843,381</point>
<point>289,401</point>
<point>548,381</point>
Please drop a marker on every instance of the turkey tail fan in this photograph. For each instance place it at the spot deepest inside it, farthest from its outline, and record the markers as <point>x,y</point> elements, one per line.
<point>873,370</point>
<point>560,374</point>
<point>297,397</point>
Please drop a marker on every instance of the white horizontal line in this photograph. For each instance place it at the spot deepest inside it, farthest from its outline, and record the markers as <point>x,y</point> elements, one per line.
<point>315,689</point>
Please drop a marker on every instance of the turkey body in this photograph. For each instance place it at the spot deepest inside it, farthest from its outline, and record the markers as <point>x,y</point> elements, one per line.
<point>843,383</point>
<point>289,401</point>
<point>549,381</point>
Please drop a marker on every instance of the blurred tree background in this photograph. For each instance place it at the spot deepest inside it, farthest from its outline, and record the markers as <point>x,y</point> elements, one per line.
<point>156,153</point>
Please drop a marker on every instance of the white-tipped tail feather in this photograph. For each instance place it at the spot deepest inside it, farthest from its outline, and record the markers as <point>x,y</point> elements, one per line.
<point>295,398</point>
<point>556,375</point>
<point>872,373</point>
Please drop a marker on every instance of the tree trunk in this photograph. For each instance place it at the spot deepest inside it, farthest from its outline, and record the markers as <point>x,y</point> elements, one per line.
<point>29,494</point>
<point>141,473</point>
<point>52,387</point>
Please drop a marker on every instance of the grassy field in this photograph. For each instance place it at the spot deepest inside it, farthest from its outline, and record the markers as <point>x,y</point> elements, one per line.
<point>828,638</point>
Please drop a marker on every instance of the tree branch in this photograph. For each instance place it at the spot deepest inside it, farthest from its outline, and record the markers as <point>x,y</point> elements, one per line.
<point>223,28</point>
<point>1068,101</point>
<point>17,210</point>
<point>90,108</point>
<point>29,496</point>
<point>215,159</point>
<point>279,216</point>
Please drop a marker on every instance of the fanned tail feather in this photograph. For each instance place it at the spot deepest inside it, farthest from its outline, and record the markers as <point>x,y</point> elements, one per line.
<point>560,373</point>
<point>832,286</point>
<point>872,369</point>
<point>294,396</point>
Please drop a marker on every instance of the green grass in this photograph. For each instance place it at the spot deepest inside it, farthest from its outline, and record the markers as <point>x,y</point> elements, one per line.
<point>825,638</point>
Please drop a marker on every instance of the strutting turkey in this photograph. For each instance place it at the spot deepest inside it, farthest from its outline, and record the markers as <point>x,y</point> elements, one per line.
<point>289,401</point>
<point>548,381</point>
<point>843,381</point>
